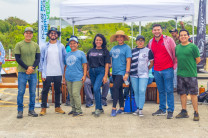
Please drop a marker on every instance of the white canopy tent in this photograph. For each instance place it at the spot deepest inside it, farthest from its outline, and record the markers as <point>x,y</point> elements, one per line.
<point>82,12</point>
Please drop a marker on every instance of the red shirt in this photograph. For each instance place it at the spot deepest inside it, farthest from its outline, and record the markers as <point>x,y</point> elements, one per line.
<point>162,59</point>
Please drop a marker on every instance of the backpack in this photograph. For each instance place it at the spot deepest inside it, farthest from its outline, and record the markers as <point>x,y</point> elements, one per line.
<point>203,97</point>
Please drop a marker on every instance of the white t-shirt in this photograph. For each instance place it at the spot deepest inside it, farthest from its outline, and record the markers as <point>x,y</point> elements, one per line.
<point>53,62</point>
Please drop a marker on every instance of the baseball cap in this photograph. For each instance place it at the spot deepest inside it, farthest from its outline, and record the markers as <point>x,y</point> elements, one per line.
<point>140,37</point>
<point>30,29</point>
<point>73,38</point>
<point>173,30</point>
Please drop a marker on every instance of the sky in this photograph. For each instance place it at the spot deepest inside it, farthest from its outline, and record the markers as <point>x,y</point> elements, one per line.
<point>28,9</point>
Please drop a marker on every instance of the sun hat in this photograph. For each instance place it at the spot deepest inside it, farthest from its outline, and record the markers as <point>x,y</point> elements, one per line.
<point>120,32</point>
<point>54,29</point>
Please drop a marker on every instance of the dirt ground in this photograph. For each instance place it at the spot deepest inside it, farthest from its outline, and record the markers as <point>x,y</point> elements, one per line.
<point>126,125</point>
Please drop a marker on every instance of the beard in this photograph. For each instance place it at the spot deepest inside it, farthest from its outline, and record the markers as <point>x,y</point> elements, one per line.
<point>53,38</point>
<point>158,36</point>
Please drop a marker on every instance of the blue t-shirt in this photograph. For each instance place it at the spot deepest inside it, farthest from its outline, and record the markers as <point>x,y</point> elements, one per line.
<point>119,55</point>
<point>74,61</point>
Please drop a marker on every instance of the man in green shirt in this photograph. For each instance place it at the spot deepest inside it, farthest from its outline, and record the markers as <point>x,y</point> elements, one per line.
<point>27,54</point>
<point>188,57</point>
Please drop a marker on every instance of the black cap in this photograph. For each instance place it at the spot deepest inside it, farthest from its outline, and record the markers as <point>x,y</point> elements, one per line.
<point>173,30</point>
<point>140,37</point>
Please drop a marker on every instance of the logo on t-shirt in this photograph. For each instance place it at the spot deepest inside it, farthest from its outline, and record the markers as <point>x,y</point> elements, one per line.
<point>115,53</point>
<point>71,60</point>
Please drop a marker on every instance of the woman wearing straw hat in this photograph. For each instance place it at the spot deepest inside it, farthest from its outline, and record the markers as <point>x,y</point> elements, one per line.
<point>121,60</point>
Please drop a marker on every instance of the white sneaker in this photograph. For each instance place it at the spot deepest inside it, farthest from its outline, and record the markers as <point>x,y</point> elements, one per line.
<point>136,112</point>
<point>140,113</point>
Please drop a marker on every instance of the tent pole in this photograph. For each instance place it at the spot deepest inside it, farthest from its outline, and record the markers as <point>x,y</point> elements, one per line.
<point>176,22</point>
<point>140,27</point>
<point>60,27</point>
<point>193,28</point>
<point>132,35</point>
<point>73,28</point>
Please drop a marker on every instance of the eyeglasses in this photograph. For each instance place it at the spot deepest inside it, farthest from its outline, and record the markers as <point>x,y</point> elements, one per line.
<point>140,40</point>
<point>53,33</point>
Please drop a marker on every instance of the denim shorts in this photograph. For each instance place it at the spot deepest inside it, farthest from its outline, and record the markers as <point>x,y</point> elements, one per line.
<point>187,85</point>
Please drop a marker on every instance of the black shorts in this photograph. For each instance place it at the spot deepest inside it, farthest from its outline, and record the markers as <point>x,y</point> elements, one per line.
<point>187,85</point>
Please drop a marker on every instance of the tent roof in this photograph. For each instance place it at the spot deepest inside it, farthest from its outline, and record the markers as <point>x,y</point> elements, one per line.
<point>81,12</point>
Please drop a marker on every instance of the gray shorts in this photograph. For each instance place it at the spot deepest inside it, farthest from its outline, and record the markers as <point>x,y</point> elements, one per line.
<point>187,85</point>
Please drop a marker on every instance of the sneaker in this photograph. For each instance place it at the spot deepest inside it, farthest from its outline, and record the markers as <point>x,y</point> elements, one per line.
<point>75,114</point>
<point>104,103</point>
<point>20,114</point>
<point>113,113</point>
<point>140,113</point>
<point>67,103</point>
<point>71,113</point>
<point>97,112</point>
<point>32,113</point>
<point>159,113</point>
<point>170,115</point>
<point>196,116</point>
<point>183,114</point>
<point>59,110</point>
<point>101,111</point>
<point>136,112</point>
<point>120,111</point>
<point>43,112</point>
<point>89,105</point>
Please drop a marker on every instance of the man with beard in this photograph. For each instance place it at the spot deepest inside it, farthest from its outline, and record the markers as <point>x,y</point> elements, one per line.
<point>163,48</point>
<point>52,68</point>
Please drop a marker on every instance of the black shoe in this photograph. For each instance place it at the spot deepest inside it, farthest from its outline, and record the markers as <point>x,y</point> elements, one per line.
<point>196,116</point>
<point>159,113</point>
<point>183,114</point>
<point>170,115</point>
<point>77,114</point>
<point>32,113</point>
<point>20,114</point>
<point>71,113</point>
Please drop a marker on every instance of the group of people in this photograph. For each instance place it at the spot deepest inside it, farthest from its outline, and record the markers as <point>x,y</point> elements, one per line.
<point>75,67</point>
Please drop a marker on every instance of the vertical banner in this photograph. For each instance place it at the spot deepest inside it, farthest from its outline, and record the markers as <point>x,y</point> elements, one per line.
<point>43,21</point>
<point>201,33</point>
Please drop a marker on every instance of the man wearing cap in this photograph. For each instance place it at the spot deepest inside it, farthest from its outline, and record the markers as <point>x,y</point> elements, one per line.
<point>163,48</point>
<point>52,68</point>
<point>121,60</point>
<point>27,54</point>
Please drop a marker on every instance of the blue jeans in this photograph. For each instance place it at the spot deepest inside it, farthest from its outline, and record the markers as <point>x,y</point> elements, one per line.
<point>164,81</point>
<point>96,77</point>
<point>139,86</point>
<point>23,78</point>
<point>175,78</point>
<point>0,73</point>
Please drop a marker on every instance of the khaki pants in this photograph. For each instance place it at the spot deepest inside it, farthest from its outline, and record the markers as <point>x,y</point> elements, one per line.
<point>74,92</point>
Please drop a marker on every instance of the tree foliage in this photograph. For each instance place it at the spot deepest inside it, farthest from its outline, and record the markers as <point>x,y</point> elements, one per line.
<point>11,32</point>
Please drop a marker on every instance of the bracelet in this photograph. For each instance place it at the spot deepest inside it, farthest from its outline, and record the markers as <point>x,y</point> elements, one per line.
<point>127,72</point>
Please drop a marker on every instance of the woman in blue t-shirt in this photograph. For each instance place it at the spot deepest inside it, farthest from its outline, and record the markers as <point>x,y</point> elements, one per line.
<point>98,60</point>
<point>121,60</point>
<point>75,75</point>
<point>139,75</point>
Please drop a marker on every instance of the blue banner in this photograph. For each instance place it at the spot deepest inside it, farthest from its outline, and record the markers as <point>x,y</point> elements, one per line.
<point>43,21</point>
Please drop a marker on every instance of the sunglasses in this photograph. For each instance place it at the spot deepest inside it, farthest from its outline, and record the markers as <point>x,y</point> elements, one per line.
<point>53,33</point>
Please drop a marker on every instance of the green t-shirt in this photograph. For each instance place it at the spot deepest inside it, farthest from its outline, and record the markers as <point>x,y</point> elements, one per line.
<point>186,56</point>
<point>27,53</point>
